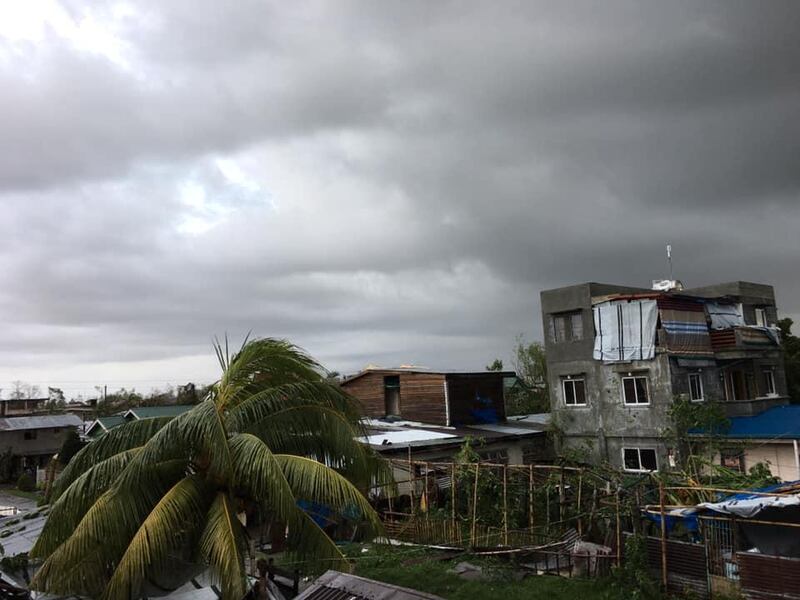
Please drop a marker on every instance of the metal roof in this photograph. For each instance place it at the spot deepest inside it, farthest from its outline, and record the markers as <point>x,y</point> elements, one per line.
<point>778,422</point>
<point>426,371</point>
<point>149,412</point>
<point>334,585</point>
<point>106,423</point>
<point>39,422</point>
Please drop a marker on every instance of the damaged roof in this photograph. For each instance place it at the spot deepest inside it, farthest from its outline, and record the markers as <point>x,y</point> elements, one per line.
<point>334,585</point>
<point>39,422</point>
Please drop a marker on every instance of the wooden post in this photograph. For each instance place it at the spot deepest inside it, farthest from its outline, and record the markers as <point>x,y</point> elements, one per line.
<point>547,505</point>
<point>453,490</point>
<point>505,505</point>
<point>475,505</point>
<point>412,480</point>
<point>530,499</point>
<point>427,493</point>
<point>664,579</point>
<point>580,512</point>
<point>619,532</point>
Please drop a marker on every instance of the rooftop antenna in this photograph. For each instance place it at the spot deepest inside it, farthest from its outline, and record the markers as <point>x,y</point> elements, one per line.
<point>669,259</point>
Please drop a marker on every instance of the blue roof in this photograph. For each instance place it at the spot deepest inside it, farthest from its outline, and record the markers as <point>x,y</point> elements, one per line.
<point>776,422</point>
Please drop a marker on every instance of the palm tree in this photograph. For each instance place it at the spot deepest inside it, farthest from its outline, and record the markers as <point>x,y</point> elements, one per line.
<point>153,495</point>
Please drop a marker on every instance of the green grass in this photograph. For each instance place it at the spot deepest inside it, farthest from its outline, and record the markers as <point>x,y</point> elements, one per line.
<point>416,569</point>
<point>28,495</point>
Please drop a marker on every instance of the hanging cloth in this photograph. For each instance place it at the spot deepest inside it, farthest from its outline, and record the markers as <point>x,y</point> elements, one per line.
<point>625,330</point>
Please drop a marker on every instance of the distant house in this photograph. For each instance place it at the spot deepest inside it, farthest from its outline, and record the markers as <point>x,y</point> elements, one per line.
<point>10,407</point>
<point>772,438</point>
<point>104,424</point>
<point>34,440</point>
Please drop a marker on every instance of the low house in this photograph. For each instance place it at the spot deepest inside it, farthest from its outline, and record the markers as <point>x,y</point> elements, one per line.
<point>772,438</point>
<point>103,424</point>
<point>10,407</point>
<point>33,440</point>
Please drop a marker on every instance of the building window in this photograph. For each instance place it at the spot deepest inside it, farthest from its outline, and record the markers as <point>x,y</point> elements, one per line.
<point>498,456</point>
<point>56,429</point>
<point>769,383</point>
<point>732,459</point>
<point>566,327</point>
<point>739,385</point>
<point>30,435</point>
<point>695,387</point>
<point>391,395</point>
<point>634,390</point>
<point>574,391</point>
<point>761,317</point>
<point>639,459</point>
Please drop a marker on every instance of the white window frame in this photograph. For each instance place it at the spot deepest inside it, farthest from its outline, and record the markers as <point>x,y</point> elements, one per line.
<point>760,314</point>
<point>769,378</point>
<point>699,378</point>
<point>564,382</point>
<point>639,454</point>
<point>646,386</point>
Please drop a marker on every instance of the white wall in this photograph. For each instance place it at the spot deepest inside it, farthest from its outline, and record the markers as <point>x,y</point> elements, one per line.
<point>779,455</point>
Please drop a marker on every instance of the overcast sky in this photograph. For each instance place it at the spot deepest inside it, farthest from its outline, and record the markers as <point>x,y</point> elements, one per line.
<point>379,182</point>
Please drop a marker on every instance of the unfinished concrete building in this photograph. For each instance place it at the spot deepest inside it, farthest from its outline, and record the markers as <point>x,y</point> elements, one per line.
<point>618,356</point>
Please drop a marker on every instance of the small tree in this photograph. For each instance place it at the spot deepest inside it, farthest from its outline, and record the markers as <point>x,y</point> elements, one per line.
<point>791,350</point>
<point>496,365</point>
<point>71,446</point>
<point>26,483</point>
<point>531,394</point>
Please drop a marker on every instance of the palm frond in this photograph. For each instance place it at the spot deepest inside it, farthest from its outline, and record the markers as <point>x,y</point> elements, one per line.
<point>259,475</point>
<point>121,438</point>
<point>314,482</point>
<point>168,524</point>
<point>198,434</point>
<point>262,404</point>
<point>85,560</point>
<point>223,546</point>
<point>322,434</point>
<point>70,507</point>
<point>264,363</point>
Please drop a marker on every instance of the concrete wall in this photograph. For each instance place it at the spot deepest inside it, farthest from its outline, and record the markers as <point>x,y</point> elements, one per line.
<point>779,456</point>
<point>47,441</point>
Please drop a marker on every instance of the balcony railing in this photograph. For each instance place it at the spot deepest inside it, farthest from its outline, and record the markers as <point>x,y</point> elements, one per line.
<point>741,338</point>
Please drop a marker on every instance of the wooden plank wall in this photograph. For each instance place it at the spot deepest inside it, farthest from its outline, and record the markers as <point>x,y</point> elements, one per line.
<point>466,391</point>
<point>421,395</point>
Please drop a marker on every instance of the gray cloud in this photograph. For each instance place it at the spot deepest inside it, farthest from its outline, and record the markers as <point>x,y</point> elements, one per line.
<point>380,183</point>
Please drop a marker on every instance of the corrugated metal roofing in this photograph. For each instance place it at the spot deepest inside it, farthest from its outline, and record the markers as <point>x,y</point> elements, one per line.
<point>341,586</point>
<point>39,422</point>
<point>405,436</point>
<point>778,422</point>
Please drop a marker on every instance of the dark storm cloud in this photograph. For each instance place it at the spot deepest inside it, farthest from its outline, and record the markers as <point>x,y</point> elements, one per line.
<point>381,182</point>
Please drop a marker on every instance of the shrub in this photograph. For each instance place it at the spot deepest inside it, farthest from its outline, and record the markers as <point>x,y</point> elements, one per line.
<point>25,483</point>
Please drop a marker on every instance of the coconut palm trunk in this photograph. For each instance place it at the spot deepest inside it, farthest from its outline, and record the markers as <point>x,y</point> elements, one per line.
<point>151,494</point>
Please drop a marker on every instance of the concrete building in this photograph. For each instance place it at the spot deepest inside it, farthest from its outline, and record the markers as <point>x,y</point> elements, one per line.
<point>618,356</point>
<point>34,440</point>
